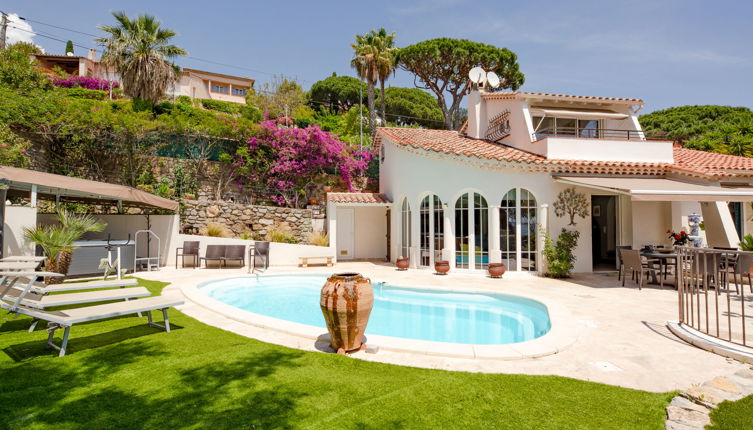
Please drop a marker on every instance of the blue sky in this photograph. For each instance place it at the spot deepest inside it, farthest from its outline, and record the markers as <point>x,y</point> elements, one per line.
<point>668,53</point>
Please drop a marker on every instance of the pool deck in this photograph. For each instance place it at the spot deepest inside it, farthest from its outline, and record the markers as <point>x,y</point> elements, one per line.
<point>601,332</point>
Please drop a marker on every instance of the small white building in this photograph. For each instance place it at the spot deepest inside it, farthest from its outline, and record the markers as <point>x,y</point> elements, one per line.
<point>485,194</point>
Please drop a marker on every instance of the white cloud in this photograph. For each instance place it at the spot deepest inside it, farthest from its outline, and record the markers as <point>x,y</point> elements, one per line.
<point>18,30</point>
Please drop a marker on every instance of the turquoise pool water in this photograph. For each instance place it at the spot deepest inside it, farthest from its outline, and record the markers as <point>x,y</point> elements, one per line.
<point>470,318</point>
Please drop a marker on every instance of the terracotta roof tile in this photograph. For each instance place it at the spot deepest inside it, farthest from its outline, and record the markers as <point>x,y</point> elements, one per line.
<point>363,198</point>
<point>687,162</point>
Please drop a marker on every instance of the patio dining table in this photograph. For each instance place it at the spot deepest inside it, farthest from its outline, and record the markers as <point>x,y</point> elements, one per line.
<point>663,258</point>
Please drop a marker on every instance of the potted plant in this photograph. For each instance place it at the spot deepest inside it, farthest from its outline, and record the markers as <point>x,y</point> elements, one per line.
<point>496,270</point>
<point>402,263</point>
<point>346,301</point>
<point>441,267</point>
<point>679,239</point>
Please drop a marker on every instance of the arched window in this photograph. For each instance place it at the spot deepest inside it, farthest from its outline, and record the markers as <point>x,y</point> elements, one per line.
<point>518,230</point>
<point>471,232</point>
<point>405,233</point>
<point>432,230</point>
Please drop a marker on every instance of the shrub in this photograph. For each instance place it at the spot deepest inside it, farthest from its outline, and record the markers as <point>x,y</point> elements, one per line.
<point>246,235</point>
<point>85,82</point>
<point>280,234</point>
<point>14,150</point>
<point>747,243</point>
<point>319,238</point>
<point>184,100</point>
<point>220,106</point>
<point>559,257</point>
<point>83,93</point>
<point>214,229</point>
<point>251,113</point>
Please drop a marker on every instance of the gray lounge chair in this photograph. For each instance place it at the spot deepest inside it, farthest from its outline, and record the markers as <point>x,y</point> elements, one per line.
<point>235,253</point>
<point>214,253</point>
<point>67,318</point>
<point>190,248</point>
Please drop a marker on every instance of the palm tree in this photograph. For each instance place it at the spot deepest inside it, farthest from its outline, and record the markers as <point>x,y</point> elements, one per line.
<point>366,50</point>
<point>386,62</point>
<point>57,240</point>
<point>138,49</point>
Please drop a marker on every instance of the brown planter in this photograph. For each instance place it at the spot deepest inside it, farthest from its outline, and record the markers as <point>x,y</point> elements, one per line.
<point>496,270</point>
<point>442,266</point>
<point>402,263</point>
<point>346,301</point>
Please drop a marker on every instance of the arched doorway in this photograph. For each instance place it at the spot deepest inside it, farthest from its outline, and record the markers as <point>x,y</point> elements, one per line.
<point>432,230</point>
<point>471,232</point>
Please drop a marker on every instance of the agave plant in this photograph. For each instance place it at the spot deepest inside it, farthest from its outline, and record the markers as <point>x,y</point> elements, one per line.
<point>747,243</point>
<point>57,240</point>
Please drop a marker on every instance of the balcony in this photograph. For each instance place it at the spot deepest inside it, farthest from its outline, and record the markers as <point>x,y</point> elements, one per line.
<point>594,133</point>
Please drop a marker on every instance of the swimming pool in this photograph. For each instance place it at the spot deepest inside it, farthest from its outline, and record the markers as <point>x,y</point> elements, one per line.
<point>432,315</point>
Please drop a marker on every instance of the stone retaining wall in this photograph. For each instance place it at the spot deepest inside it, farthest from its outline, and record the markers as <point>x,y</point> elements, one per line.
<point>241,218</point>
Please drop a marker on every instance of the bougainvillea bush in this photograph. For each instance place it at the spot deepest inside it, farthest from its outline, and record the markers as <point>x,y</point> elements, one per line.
<point>85,82</point>
<point>286,161</point>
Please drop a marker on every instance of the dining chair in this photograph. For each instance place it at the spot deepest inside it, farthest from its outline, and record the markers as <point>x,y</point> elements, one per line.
<point>633,261</point>
<point>620,270</point>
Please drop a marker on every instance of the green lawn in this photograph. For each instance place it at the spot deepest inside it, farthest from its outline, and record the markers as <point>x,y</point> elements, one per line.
<point>733,415</point>
<point>123,374</point>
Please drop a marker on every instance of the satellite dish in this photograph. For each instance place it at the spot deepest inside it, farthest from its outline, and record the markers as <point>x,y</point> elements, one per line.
<point>493,79</point>
<point>476,75</point>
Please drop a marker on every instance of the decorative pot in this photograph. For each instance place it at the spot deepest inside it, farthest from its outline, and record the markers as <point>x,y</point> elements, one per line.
<point>402,263</point>
<point>313,202</point>
<point>496,270</point>
<point>346,301</point>
<point>327,188</point>
<point>442,266</point>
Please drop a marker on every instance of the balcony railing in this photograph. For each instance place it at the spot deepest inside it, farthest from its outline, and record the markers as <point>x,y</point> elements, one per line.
<point>594,133</point>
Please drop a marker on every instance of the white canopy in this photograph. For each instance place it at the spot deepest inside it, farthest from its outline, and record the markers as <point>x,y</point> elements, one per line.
<point>577,113</point>
<point>656,189</point>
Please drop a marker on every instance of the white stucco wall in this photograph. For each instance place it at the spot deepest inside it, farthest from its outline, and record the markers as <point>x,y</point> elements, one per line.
<point>16,218</point>
<point>572,148</point>
<point>650,223</point>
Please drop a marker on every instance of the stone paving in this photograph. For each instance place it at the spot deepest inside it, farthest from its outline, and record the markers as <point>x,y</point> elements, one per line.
<point>622,337</point>
<point>691,408</point>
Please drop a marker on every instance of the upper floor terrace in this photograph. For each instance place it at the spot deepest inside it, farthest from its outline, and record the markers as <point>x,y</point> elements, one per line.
<point>566,127</point>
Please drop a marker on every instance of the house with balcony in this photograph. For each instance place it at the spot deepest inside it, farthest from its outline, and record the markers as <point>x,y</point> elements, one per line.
<point>75,65</point>
<point>486,193</point>
<point>209,85</point>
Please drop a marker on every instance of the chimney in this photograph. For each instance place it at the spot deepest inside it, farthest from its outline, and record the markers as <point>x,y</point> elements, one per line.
<point>92,55</point>
<point>476,114</point>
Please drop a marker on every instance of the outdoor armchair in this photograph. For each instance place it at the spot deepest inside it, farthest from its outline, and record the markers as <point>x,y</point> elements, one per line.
<point>235,253</point>
<point>632,261</point>
<point>214,253</point>
<point>259,256</point>
<point>189,249</point>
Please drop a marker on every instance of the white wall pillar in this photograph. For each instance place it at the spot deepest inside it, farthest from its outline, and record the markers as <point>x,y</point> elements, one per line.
<point>541,238</point>
<point>415,234</point>
<point>332,228</point>
<point>33,198</point>
<point>448,253</point>
<point>495,256</point>
<point>720,228</point>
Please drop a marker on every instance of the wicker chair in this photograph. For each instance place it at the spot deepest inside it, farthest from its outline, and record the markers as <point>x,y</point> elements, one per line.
<point>189,249</point>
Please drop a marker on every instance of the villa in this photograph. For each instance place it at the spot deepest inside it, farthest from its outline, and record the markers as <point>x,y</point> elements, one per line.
<point>209,85</point>
<point>485,194</point>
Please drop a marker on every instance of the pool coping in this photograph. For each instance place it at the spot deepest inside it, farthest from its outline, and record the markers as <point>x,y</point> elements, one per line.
<point>563,333</point>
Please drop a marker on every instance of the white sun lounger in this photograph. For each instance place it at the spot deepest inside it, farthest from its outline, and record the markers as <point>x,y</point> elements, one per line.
<point>40,301</point>
<point>24,258</point>
<point>16,265</point>
<point>67,318</point>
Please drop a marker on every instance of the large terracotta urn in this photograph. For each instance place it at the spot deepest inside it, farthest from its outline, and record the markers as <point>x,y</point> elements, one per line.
<point>442,267</point>
<point>346,301</point>
<point>402,263</point>
<point>496,270</point>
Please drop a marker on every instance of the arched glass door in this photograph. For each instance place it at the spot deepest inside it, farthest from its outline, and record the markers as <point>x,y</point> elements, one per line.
<point>518,230</point>
<point>471,232</point>
<point>432,230</point>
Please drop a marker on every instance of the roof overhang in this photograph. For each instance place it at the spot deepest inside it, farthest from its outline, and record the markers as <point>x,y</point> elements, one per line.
<point>66,188</point>
<point>660,189</point>
<point>577,113</point>
<point>359,199</point>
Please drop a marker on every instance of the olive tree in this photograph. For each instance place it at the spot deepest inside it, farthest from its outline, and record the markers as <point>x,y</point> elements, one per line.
<point>442,66</point>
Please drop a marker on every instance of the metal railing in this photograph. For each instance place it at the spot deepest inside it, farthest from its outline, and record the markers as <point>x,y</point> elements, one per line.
<point>711,287</point>
<point>594,133</point>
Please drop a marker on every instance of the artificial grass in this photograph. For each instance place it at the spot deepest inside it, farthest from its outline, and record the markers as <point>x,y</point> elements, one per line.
<point>733,415</point>
<point>120,373</point>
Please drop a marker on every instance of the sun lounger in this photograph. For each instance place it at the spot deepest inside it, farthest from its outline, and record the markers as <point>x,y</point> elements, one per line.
<point>67,318</point>
<point>40,301</point>
<point>24,258</point>
<point>15,265</point>
<point>41,288</point>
